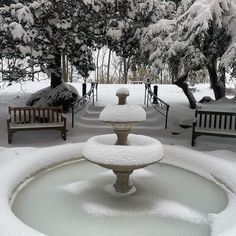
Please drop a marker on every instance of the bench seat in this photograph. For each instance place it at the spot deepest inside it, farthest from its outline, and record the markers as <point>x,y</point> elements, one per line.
<point>216,131</point>
<point>36,126</point>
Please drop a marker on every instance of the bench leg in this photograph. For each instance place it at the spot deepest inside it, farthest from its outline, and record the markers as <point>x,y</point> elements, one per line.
<point>9,137</point>
<point>194,136</point>
<point>193,141</point>
<point>63,134</point>
<point>63,131</point>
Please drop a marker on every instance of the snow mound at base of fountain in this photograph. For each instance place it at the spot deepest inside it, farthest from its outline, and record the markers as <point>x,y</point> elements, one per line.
<point>123,113</point>
<point>141,150</point>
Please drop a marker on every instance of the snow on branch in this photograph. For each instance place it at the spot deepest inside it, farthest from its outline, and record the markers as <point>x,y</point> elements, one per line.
<point>202,20</point>
<point>18,32</point>
<point>201,14</point>
<point>24,15</point>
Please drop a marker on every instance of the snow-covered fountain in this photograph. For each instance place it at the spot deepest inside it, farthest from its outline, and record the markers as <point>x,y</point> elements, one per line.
<point>60,193</point>
<point>125,154</point>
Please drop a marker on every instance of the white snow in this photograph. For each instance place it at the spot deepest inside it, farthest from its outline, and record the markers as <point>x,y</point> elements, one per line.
<point>124,91</point>
<point>114,33</point>
<point>123,113</point>
<point>223,104</point>
<point>25,15</point>
<point>141,150</point>
<point>18,32</point>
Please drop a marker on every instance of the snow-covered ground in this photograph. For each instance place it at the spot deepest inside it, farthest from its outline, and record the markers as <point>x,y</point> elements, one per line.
<point>215,156</point>
<point>88,125</point>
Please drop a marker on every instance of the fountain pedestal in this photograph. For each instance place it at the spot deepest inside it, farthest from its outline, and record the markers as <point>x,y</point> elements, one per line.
<point>122,184</point>
<point>122,132</point>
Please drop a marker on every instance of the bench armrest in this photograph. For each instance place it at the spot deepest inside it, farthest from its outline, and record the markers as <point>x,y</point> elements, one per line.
<point>63,117</point>
<point>8,119</point>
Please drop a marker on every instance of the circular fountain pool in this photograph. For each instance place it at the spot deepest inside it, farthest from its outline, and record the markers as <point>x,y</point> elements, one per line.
<point>168,198</point>
<point>77,199</point>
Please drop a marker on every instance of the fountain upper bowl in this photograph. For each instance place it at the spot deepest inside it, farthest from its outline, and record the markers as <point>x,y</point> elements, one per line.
<point>123,114</point>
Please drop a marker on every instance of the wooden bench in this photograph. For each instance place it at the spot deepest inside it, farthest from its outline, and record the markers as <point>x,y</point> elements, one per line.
<point>214,123</point>
<point>35,118</point>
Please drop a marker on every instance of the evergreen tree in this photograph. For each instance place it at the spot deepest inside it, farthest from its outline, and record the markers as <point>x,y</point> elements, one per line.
<point>209,27</point>
<point>43,30</point>
<point>128,28</point>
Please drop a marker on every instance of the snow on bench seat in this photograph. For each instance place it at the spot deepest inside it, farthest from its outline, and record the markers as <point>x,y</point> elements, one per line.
<point>35,126</point>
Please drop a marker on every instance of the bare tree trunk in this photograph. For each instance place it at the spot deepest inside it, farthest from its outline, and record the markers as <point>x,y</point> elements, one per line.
<point>32,71</point>
<point>55,68</point>
<point>217,83</point>
<point>108,67</point>
<point>134,72</point>
<point>64,73</point>
<point>103,59</point>
<point>126,69</point>
<point>120,71</point>
<point>67,69</point>
<point>2,68</point>
<point>71,73</point>
<point>181,82</point>
<point>97,66</point>
<point>161,75</point>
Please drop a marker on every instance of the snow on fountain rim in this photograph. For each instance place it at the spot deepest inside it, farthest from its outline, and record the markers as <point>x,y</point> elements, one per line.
<point>207,165</point>
<point>140,151</point>
<point>123,113</point>
<point>16,171</point>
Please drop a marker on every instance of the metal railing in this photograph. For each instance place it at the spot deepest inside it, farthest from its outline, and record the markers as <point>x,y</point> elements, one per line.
<point>157,103</point>
<point>82,102</point>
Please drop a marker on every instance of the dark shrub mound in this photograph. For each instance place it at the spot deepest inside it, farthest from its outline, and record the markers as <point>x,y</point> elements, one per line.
<point>206,99</point>
<point>62,95</point>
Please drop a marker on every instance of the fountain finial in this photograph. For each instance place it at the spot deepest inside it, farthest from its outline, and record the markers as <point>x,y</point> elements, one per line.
<point>122,94</point>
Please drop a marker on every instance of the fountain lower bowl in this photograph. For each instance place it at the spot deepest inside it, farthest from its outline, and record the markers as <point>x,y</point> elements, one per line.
<point>140,152</point>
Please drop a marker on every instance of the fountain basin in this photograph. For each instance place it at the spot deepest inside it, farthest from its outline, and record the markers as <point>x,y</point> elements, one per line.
<point>67,201</point>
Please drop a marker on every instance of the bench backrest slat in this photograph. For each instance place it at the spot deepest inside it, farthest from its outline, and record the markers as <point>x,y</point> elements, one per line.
<point>35,114</point>
<point>19,115</point>
<point>234,122</point>
<point>216,120</point>
<point>210,121</point>
<point>220,122</point>
<point>230,121</point>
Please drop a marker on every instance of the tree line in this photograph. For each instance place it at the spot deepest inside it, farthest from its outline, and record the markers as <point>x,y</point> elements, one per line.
<point>187,38</point>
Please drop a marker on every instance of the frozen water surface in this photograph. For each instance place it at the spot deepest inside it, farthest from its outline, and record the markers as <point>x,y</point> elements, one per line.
<point>76,199</point>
